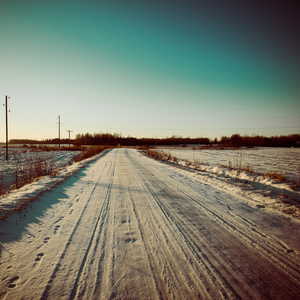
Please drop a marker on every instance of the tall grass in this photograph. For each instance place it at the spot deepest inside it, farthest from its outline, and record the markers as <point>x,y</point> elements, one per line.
<point>34,166</point>
<point>31,168</point>
<point>167,156</point>
<point>238,165</point>
<point>90,152</point>
<point>161,155</point>
<point>276,176</point>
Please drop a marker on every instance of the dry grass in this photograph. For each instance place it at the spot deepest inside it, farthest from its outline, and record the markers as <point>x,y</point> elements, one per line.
<point>32,168</point>
<point>36,167</point>
<point>161,155</point>
<point>276,176</point>
<point>89,152</point>
<point>248,168</point>
<point>238,165</point>
<point>39,165</point>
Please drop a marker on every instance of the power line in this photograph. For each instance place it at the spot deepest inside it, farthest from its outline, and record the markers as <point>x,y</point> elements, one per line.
<point>187,129</point>
<point>27,114</point>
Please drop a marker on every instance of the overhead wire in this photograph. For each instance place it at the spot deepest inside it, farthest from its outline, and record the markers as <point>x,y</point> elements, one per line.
<point>28,115</point>
<point>23,111</point>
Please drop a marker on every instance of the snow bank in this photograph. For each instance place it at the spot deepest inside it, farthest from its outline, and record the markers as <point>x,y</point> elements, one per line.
<point>261,160</point>
<point>16,199</point>
<point>21,158</point>
<point>262,191</point>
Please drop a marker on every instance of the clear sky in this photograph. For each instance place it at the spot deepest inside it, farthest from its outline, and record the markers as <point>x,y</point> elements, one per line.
<point>149,68</point>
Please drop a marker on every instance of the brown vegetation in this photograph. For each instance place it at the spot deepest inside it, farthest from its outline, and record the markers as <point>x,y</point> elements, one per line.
<point>89,152</point>
<point>33,168</point>
<point>276,176</point>
<point>238,164</point>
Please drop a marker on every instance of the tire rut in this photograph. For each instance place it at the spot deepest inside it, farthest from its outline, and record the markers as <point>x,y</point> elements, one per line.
<point>47,289</point>
<point>202,266</point>
<point>178,216</point>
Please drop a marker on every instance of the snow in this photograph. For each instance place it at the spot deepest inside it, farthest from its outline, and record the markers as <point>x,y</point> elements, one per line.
<point>259,189</point>
<point>19,157</point>
<point>62,164</point>
<point>122,225</point>
<point>261,160</point>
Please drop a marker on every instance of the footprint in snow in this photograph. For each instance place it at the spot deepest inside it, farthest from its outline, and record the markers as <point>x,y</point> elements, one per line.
<point>130,240</point>
<point>39,256</point>
<point>59,219</point>
<point>56,228</point>
<point>12,282</point>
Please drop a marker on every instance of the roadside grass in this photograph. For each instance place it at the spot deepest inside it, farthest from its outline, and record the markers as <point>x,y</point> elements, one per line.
<point>161,155</point>
<point>89,152</point>
<point>34,167</point>
<point>48,148</point>
<point>276,176</point>
<point>237,165</point>
<point>166,156</point>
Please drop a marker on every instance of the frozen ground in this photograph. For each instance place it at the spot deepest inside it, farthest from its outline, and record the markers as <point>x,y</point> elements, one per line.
<point>261,160</point>
<point>260,189</point>
<point>20,157</point>
<point>129,227</point>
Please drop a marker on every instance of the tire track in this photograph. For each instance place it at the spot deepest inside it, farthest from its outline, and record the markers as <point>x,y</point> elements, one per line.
<point>178,216</point>
<point>206,281</point>
<point>47,289</point>
<point>119,268</point>
<point>253,237</point>
<point>141,230</point>
<point>102,216</point>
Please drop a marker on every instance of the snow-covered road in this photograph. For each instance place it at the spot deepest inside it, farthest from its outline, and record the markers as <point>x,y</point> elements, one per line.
<point>129,227</point>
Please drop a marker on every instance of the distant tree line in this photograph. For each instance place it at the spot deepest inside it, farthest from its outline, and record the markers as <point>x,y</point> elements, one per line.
<point>116,139</point>
<point>237,140</point>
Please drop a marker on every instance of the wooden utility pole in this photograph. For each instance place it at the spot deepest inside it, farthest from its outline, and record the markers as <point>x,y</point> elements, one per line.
<point>6,118</point>
<point>58,132</point>
<point>69,136</point>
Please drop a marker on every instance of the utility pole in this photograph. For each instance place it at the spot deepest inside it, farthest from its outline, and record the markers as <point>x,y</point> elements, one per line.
<point>69,136</point>
<point>6,118</point>
<point>59,132</point>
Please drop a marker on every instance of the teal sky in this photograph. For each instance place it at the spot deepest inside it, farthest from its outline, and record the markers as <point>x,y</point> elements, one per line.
<point>148,70</point>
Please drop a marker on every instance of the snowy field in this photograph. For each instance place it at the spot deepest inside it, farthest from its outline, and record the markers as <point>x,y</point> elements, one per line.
<point>126,226</point>
<point>261,160</point>
<point>267,192</point>
<point>19,158</point>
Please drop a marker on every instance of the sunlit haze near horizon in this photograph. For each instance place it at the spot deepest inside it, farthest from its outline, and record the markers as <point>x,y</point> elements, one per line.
<point>149,68</point>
